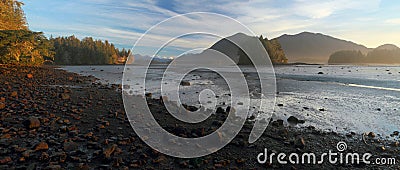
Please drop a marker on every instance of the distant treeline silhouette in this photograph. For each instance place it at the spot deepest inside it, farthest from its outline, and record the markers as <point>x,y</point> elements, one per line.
<point>72,51</point>
<point>376,56</point>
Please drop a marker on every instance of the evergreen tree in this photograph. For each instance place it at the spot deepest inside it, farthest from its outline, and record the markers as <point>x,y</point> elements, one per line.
<point>12,16</point>
<point>72,51</point>
<point>274,50</point>
<point>24,47</point>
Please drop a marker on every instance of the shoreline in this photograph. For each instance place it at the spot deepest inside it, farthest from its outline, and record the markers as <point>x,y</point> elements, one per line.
<point>86,127</point>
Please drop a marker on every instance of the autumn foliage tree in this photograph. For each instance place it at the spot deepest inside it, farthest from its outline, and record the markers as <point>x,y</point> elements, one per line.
<point>12,16</point>
<point>19,45</point>
<point>24,47</point>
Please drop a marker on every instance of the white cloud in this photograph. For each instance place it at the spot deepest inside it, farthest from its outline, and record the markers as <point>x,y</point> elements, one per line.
<point>320,9</point>
<point>394,21</point>
<point>122,22</point>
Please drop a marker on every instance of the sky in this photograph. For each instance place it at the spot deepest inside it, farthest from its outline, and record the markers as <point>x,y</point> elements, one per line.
<point>367,22</point>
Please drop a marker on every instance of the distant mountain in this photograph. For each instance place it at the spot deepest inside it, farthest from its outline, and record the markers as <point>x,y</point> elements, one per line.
<point>305,47</point>
<point>230,49</point>
<point>309,47</point>
<point>387,47</point>
<point>228,46</point>
<point>144,59</point>
<point>258,47</point>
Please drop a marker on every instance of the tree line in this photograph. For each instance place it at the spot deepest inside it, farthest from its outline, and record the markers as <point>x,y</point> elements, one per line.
<point>19,45</point>
<point>376,56</point>
<point>72,51</point>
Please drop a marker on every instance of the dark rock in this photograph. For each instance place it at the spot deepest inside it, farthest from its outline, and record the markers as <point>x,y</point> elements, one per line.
<point>300,142</point>
<point>280,105</point>
<point>310,127</point>
<point>217,123</point>
<point>5,160</point>
<point>240,161</point>
<point>191,108</point>
<point>65,96</point>
<point>396,144</point>
<point>70,146</point>
<point>320,73</point>
<point>371,134</point>
<point>27,153</point>
<point>5,136</point>
<point>184,164</point>
<point>322,110</point>
<point>293,120</point>
<point>107,152</point>
<point>83,166</point>
<point>220,110</point>
<point>302,121</point>
<point>229,109</point>
<point>185,83</point>
<point>32,123</point>
<point>14,94</point>
<point>29,76</point>
<point>41,146</point>
<point>53,167</point>
<point>149,95</point>
<point>278,123</point>
<point>44,156</point>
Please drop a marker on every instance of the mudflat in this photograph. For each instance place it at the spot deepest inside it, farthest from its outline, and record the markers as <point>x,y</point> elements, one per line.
<point>54,119</point>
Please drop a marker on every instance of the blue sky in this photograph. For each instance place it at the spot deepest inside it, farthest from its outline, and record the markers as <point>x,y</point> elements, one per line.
<point>368,22</point>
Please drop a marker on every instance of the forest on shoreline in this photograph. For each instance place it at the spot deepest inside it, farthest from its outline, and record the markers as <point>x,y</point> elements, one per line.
<point>19,45</point>
<point>376,56</point>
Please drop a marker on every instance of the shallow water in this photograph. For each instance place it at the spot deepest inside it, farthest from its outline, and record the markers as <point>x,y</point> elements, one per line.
<point>355,98</point>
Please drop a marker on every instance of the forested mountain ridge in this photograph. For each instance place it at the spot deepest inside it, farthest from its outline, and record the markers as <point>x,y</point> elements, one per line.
<point>385,54</point>
<point>307,47</point>
<point>230,47</point>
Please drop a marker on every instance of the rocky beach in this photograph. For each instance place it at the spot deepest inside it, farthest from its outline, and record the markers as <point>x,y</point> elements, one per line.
<point>54,119</point>
<point>100,84</point>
